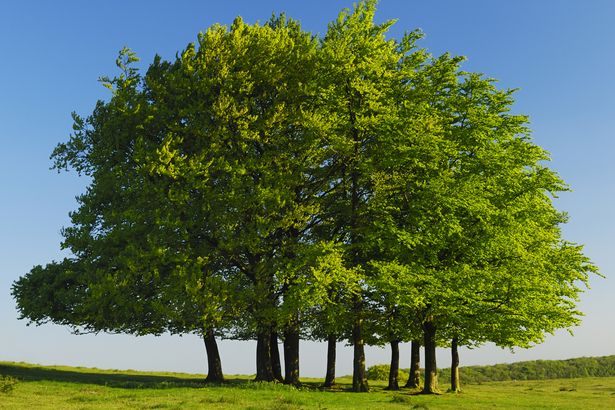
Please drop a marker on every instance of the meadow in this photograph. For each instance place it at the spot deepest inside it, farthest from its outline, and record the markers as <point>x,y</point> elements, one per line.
<point>57,387</point>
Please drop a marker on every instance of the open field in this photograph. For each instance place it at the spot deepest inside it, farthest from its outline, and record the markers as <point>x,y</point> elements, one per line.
<point>80,388</point>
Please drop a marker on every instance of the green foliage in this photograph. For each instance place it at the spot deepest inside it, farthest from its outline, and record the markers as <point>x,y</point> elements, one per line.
<point>536,370</point>
<point>7,384</point>
<point>381,372</point>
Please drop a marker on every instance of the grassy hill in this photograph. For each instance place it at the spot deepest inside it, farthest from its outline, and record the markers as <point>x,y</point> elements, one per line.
<point>538,370</point>
<point>56,387</point>
<point>529,370</point>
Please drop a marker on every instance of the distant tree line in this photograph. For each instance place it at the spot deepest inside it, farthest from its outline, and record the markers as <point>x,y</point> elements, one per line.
<point>268,184</point>
<point>528,370</point>
<point>542,370</point>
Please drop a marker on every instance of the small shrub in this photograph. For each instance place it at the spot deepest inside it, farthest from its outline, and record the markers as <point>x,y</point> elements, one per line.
<point>7,384</point>
<point>378,372</point>
<point>381,372</point>
<point>221,399</point>
<point>401,399</point>
<point>290,401</point>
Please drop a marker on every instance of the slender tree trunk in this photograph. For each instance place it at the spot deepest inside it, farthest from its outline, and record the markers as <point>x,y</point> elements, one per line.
<point>264,370</point>
<point>214,364</point>
<point>455,381</point>
<point>414,379</point>
<point>276,366</point>
<point>291,355</point>
<point>331,353</point>
<point>431,370</point>
<point>394,370</point>
<point>359,376</point>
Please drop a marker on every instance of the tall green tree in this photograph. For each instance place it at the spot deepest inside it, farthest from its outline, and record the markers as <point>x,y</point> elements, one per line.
<point>475,222</point>
<point>360,79</point>
<point>133,255</point>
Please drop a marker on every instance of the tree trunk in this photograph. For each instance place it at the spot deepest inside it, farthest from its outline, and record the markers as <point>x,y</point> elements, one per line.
<point>394,370</point>
<point>276,367</point>
<point>455,382</point>
<point>291,355</point>
<point>431,370</point>
<point>264,371</point>
<point>414,379</point>
<point>214,364</point>
<point>331,352</point>
<point>359,376</point>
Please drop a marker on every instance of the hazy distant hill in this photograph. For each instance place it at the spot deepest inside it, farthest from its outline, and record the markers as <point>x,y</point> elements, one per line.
<point>530,370</point>
<point>538,370</point>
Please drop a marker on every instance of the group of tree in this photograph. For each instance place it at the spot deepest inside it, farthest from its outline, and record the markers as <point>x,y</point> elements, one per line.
<point>271,184</point>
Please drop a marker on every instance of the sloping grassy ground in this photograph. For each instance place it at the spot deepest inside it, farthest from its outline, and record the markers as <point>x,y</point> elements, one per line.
<point>79,388</point>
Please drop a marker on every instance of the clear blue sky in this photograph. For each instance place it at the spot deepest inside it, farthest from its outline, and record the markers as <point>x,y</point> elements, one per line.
<point>559,53</point>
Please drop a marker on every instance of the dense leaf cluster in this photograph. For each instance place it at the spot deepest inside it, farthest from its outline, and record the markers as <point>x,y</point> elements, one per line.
<point>271,184</point>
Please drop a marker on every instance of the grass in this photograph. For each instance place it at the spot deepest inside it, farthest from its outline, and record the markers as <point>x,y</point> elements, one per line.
<point>80,388</point>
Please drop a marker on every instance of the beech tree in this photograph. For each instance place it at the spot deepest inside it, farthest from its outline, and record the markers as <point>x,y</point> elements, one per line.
<point>134,259</point>
<point>477,228</point>
<point>362,85</point>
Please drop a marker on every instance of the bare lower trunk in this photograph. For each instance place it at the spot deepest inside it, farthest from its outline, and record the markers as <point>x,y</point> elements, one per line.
<point>431,370</point>
<point>359,376</point>
<point>331,353</point>
<point>455,382</point>
<point>414,379</point>
<point>264,371</point>
<point>291,355</point>
<point>276,367</point>
<point>214,364</point>
<point>394,370</point>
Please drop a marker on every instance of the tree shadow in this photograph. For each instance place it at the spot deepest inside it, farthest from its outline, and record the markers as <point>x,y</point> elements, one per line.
<point>126,379</point>
<point>102,377</point>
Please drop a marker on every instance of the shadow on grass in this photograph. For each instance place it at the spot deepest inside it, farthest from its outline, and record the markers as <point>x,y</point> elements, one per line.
<point>91,376</point>
<point>127,380</point>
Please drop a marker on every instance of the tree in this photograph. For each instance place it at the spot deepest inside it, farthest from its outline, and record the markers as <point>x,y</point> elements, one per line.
<point>133,257</point>
<point>259,148</point>
<point>475,225</point>
<point>360,92</point>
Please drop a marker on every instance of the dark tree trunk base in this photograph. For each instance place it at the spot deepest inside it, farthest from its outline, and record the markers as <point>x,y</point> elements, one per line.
<point>291,356</point>
<point>414,378</point>
<point>359,375</point>
<point>455,381</point>
<point>431,370</point>
<point>276,366</point>
<point>264,370</point>
<point>394,368</point>
<point>214,364</point>
<point>435,392</point>
<point>331,353</point>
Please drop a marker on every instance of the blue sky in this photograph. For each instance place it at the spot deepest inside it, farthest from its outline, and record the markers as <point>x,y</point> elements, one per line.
<point>559,53</point>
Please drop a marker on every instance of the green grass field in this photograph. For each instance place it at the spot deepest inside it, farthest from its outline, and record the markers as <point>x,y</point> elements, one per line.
<point>81,388</point>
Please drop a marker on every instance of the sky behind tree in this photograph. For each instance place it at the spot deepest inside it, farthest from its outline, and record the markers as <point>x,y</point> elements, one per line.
<point>560,54</point>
